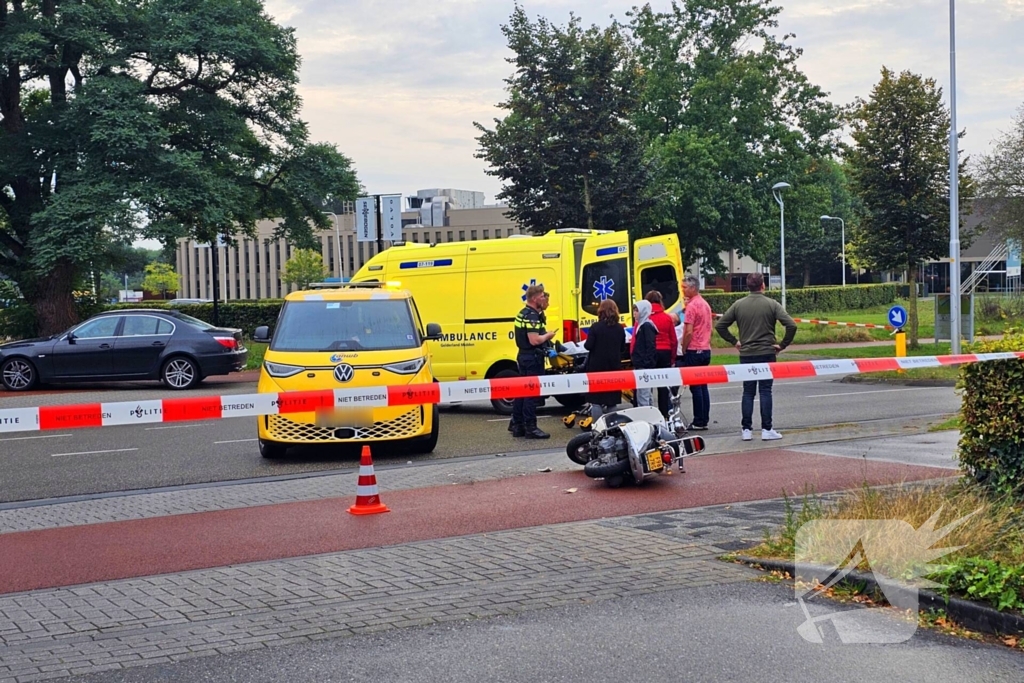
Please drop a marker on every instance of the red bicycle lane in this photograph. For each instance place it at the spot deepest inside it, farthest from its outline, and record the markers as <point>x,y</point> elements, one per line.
<point>161,545</point>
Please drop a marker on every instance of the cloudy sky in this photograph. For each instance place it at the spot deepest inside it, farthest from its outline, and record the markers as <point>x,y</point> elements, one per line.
<point>397,84</point>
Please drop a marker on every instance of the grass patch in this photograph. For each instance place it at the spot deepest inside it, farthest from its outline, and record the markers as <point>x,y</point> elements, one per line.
<point>988,566</point>
<point>940,349</point>
<point>953,423</point>
<point>256,352</point>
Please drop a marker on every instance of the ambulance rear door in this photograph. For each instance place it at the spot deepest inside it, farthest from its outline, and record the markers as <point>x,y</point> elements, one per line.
<point>658,265</point>
<point>604,275</point>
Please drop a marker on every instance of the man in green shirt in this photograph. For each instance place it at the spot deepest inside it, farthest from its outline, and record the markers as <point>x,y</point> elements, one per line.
<point>756,316</point>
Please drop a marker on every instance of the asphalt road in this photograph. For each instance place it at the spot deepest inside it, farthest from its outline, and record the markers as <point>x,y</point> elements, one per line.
<point>90,461</point>
<point>738,632</point>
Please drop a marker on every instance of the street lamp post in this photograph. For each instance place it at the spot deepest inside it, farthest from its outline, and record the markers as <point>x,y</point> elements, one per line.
<point>777,189</point>
<point>954,208</point>
<point>337,241</point>
<point>842,236</point>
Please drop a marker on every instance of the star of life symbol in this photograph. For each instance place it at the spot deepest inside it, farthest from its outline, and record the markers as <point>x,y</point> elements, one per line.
<point>604,288</point>
<point>529,284</point>
<point>897,556</point>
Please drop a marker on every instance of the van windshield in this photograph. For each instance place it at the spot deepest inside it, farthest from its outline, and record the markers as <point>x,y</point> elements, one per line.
<point>345,326</point>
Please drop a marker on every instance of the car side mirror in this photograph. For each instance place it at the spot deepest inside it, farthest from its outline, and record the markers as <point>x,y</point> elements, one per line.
<point>433,331</point>
<point>71,337</point>
<point>261,334</point>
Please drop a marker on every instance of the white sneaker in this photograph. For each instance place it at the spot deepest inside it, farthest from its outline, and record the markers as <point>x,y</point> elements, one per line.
<point>770,435</point>
<point>747,436</point>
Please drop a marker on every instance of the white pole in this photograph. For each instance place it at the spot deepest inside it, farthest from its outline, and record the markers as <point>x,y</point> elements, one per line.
<point>842,236</point>
<point>954,201</point>
<point>782,244</point>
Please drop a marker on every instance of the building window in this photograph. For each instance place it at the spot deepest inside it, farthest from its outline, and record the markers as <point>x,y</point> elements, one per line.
<point>451,236</point>
<point>330,253</point>
<point>487,234</point>
<point>415,237</point>
<point>437,237</point>
<point>472,234</point>
<point>462,235</point>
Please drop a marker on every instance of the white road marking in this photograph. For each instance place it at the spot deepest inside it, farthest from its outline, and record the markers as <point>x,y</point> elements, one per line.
<point>725,403</point>
<point>235,441</point>
<point>154,429</point>
<point>26,438</point>
<point>115,450</point>
<point>873,391</point>
<point>506,419</point>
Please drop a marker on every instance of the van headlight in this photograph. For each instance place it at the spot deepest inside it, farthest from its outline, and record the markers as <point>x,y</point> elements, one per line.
<point>408,367</point>
<point>281,370</point>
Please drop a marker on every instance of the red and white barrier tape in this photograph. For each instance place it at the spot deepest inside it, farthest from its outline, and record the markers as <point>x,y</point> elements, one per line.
<point>253,405</point>
<point>832,323</point>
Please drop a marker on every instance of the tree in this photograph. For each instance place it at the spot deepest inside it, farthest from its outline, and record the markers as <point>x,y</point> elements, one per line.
<point>160,277</point>
<point>1001,180</point>
<point>727,113</point>
<point>305,266</point>
<point>166,119</point>
<point>900,168</point>
<point>566,151</point>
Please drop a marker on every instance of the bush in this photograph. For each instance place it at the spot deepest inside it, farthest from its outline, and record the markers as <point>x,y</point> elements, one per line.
<point>992,440</point>
<point>245,315</point>
<point>809,299</point>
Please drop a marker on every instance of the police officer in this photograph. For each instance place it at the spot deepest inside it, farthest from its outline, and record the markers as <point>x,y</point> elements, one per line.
<point>531,339</point>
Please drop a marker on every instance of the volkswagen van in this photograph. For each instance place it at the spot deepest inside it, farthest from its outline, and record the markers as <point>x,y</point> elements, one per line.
<point>347,336</point>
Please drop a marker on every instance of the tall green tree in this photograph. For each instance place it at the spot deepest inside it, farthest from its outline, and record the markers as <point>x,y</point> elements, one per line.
<point>167,118</point>
<point>566,150</point>
<point>1001,181</point>
<point>727,113</point>
<point>900,168</point>
<point>304,267</point>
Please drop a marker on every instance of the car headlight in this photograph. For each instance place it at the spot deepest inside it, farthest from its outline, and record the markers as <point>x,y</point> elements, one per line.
<point>281,370</point>
<point>408,367</point>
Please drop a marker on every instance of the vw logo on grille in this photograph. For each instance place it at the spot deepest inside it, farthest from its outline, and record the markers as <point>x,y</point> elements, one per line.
<point>344,372</point>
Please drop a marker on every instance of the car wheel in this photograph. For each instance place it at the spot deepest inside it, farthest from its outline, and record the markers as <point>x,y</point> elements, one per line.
<point>427,444</point>
<point>503,406</point>
<point>180,373</point>
<point>272,450</point>
<point>18,374</point>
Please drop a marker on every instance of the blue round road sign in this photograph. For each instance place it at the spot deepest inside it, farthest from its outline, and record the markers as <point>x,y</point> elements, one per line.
<point>898,316</point>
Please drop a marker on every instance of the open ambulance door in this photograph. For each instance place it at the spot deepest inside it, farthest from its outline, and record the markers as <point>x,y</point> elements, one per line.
<point>604,274</point>
<point>658,264</point>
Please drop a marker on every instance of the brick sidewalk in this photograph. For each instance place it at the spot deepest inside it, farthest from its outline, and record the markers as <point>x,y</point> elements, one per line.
<point>118,624</point>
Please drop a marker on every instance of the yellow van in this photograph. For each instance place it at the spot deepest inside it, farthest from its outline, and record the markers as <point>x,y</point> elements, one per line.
<point>347,336</point>
<point>475,290</point>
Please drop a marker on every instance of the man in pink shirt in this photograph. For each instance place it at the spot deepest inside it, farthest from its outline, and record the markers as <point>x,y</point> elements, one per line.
<point>695,348</point>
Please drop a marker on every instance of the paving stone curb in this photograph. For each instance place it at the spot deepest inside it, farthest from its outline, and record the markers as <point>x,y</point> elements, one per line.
<point>972,615</point>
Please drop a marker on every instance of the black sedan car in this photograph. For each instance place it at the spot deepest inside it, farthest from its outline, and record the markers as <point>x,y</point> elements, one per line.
<point>139,344</point>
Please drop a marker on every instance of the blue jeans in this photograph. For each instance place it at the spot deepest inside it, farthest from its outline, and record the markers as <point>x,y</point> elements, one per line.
<point>764,386</point>
<point>701,395</point>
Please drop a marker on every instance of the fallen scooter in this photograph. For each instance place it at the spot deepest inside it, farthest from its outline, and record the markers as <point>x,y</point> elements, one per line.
<point>634,444</point>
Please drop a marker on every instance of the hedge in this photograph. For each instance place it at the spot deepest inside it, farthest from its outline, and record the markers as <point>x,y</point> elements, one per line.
<point>245,315</point>
<point>810,299</point>
<point>991,438</point>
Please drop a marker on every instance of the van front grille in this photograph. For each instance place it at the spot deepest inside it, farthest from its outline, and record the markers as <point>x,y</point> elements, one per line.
<point>404,426</point>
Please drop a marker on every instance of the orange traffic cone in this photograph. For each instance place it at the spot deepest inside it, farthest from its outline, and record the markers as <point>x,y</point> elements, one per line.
<point>367,495</point>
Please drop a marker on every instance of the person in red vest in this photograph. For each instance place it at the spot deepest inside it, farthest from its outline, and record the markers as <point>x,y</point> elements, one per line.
<point>666,344</point>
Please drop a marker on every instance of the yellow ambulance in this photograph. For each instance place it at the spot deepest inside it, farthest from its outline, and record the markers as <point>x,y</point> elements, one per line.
<point>475,289</point>
<point>347,336</point>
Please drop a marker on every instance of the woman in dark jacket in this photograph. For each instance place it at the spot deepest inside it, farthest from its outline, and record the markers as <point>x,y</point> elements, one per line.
<point>606,342</point>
